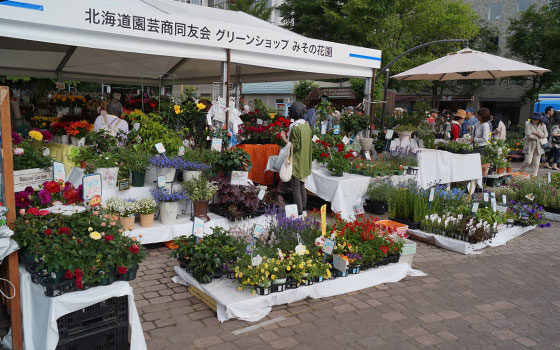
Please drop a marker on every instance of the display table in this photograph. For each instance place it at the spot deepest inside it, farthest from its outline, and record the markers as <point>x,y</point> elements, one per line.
<point>259,158</point>
<point>40,312</point>
<point>232,303</point>
<point>184,226</point>
<point>61,153</point>
<point>343,192</point>
<point>442,167</point>
<point>502,237</point>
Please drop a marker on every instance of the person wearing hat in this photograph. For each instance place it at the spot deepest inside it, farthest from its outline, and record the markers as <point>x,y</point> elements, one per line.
<point>535,137</point>
<point>458,119</point>
<point>470,121</point>
<point>432,117</point>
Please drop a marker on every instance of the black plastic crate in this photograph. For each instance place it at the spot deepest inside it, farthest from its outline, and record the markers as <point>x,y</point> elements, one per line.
<point>114,310</point>
<point>111,336</point>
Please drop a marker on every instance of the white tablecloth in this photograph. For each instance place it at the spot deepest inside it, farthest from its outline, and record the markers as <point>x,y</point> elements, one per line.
<point>442,167</point>
<point>133,192</point>
<point>467,248</point>
<point>39,312</point>
<point>232,303</point>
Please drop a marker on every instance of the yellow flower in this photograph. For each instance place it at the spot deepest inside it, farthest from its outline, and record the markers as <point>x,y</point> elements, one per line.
<point>239,288</point>
<point>288,268</point>
<point>262,270</point>
<point>272,115</point>
<point>273,277</point>
<point>95,235</point>
<point>43,124</point>
<point>240,274</point>
<point>35,135</point>
<point>301,266</point>
<point>177,109</point>
<point>275,269</point>
<point>200,106</point>
<point>252,292</point>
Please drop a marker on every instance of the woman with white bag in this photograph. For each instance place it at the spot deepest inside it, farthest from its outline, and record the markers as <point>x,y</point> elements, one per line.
<point>300,136</point>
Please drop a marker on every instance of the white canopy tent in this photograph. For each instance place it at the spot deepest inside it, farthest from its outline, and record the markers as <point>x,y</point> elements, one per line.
<point>134,41</point>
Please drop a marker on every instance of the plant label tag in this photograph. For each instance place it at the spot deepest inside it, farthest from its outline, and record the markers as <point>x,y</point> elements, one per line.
<point>185,143</point>
<point>46,152</point>
<point>504,199</point>
<point>136,126</point>
<point>432,194</point>
<point>216,145</point>
<point>329,246</point>
<point>324,127</point>
<point>367,155</point>
<point>259,122</point>
<point>256,261</point>
<point>320,241</point>
<point>280,254</point>
<point>359,210</point>
<point>59,173</point>
<point>324,220</point>
<point>549,177</point>
<point>336,129</point>
<point>493,204</point>
<point>530,197</point>
<point>345,140</point>
<point>261,194</point>
<point>315,139</point>
<point>91,186</point>
<point>475,207</point>
<point>300,249</point>
<point>239,178</point>
<point>160,148</point>
<point>389,134</point>
<point>161,181</point>
<point>258,230</point>
<point>339,263</point>
<point>181,151</point>
<point>485,197</point>
<point>492,195</point>
<point>198,227</point>
<point>291,211</point>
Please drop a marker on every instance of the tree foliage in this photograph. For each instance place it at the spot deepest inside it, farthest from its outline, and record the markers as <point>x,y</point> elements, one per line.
<point>303,88</point>
<point>257,8</point>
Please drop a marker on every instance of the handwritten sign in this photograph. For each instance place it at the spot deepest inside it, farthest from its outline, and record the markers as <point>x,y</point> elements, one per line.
<point>345,140</point>
<point>258,230</point>
<point>95,201</point>
<point>216,145</point>
<point>59,173</point>
<point>259,122</point>
<point>359,210</point>
<point>239,178</point>
<point>324,125</point>
<point>485,196</point>
<point>329,246</point>
<point>91,186</point>
<point>181,151</point>
<point>160,148</point>
<point>198,227</point>
<point>291,211</point>
<point>336,129</point>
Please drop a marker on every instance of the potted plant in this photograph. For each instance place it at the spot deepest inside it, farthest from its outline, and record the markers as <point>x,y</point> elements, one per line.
<point>234,159</point>
<point>29,162</point>
<point>127,213</point>
<point>236,202</point>
<point>78,131</point>
<point>107,164</point>
<point>146,207</point>
<point>200,191</point>
<point>500,165</point>
<point>508,167</point>
<point>112,206</point>
<point>191,167</point>
<point>485,164</point>
<point>166,166</point>
<point>168,204</point>
<point>405,131</point>
<point>338,163</point>
<point>135,160</point>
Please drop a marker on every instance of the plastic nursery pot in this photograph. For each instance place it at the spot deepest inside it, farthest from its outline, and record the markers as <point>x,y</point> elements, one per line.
<point>138,178</point>
<point>146,220</point>
<point>57,277</point>
<point>130,273</point>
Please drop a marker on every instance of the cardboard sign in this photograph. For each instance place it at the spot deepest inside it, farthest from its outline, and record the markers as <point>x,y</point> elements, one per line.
<point>504,199</point>
<point>216,145</point>
<point>359,210</point>
<point>91,186</point>
<point>336,129</point>
<point>181,151</point>
<point>432,194</point>
<point>291,211</point>
<point>367,155</point>
<point>161,181</point>
<point>329,246</point>
<point>389,134</point>
<point>324,220</point>
<point>345,140</point>
<point>198,227</point>
<point>258,230</point>
<point>59,173</point>
<point>240,178</point>
<point>475,207</point>
<point>160,148</point>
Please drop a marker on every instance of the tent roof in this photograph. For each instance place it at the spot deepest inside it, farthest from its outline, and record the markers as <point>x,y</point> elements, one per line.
<point>277,87</point>
<point>134,41</point>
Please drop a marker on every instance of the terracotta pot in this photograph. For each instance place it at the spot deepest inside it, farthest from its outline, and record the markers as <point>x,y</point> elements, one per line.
<point>146,220</point>
<point>128,222</point>
<point>201,210</point>
<point>485,168</point>
<point>509,170</point>
<point>501,170</point>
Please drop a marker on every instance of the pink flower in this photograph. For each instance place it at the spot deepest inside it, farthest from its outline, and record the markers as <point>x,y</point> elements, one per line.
<point>120,230</point>
<point>22,212</point>
<point>103,224</point>
<point>18,151</point>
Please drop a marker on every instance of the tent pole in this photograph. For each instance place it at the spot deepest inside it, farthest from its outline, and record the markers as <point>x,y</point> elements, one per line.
<point>10,200</point>
<point>371,99</point>
<point>142,95</point>
<point>385,99</point>
<point>227,81</point>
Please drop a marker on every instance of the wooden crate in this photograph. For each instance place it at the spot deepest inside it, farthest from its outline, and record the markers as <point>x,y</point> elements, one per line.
<point>31,177</point>
<point>200,295</point>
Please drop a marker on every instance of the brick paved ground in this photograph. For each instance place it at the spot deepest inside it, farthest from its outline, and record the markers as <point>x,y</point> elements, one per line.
<point>506,298</point>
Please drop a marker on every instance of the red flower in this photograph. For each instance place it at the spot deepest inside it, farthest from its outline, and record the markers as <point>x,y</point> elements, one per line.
<point>122,270</point>
<point>33,211</point>
<point>44,212</point>
<point>348,155</point>
<point>384,249</point>
<point>109,238</point>
<point>64,230</point>
<point>48,232</point>
<point>78,273</point>
<point>79,241</point>
<point>78,283</point>
<point>134,249</point>
<point>52,186</point>
<point>68,275</point>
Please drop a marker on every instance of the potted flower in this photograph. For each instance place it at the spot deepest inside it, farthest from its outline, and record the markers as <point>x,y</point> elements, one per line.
<point>146,207</point>
<point>166,166</point>
<point>500,165</point>
<point>168,204</point>
<point>200,191</point>
<point>127,213</point>
<point>193,164</point>
<point>107,164</point>
<point>78,131</point>
<point>234,159</point>
<point>338,163</point>
<point>485,164</point>
<point>135,161</point>
<point>508,167</point>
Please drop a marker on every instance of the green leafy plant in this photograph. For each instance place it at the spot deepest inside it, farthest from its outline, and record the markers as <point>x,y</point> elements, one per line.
<point>234,159</point>
<point>199,189</point>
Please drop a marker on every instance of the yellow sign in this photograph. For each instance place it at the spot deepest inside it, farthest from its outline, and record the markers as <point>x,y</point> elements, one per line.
<point>324,220</point>
<point>95,201</point>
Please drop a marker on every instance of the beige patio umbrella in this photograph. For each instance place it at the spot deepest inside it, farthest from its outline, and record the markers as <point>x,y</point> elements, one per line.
<point>469,64</point>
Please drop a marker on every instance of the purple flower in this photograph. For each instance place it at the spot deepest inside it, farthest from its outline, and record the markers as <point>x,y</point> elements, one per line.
<point>45,197</point>
<point>29,190</point>
<point>16,139</point>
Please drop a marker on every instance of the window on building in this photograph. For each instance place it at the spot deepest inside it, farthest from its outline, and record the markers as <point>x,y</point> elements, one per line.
<point>495,11</point>
<point>523,5</point>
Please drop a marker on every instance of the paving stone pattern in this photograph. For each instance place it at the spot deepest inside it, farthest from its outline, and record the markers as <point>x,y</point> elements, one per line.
<point>505,298</point>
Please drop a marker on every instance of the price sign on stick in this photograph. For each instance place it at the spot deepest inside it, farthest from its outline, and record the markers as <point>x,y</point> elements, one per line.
<point>504,199</point>
<point>91,186</point>
<point>291,211</point>
<point>475,207</point>
<point>198,228</point>
<point>181,151</point>
<point>324,220</point>
<point>432,194</point>
<point>161,181</point>
<point>485,197</point>
<point>160,148</point>
<point>359,210</point>
<point>345,140</point>
<point>549,177</point>
<point>389,134</point>
<point>258,230</point>
<point>493,204</point>
<point>261,194</point>
<point>59,173</point>
<point>336,129</point>
<point>329,246</point>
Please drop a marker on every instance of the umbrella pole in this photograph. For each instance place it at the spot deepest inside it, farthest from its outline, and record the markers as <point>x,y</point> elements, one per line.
<point>385,98</point>
<point>371,104</point>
